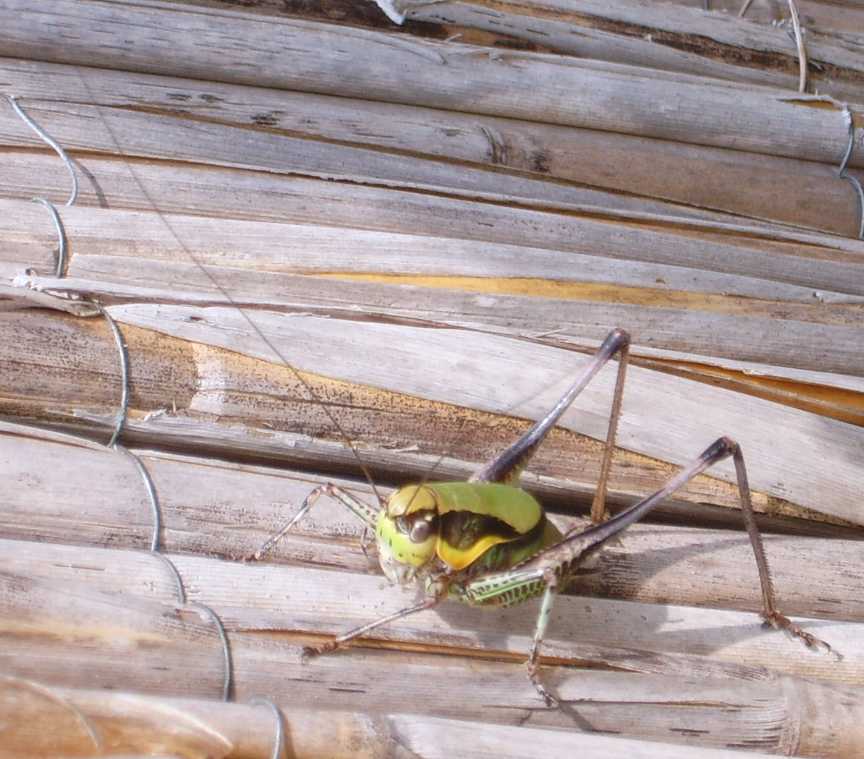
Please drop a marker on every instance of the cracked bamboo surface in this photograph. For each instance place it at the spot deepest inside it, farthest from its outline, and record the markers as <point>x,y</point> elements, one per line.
<point>691,40</point>
<point>138,634</point>
<point>266,598</point>
<point>114,612</point>
<point>215,388</point>
<point>846,19</point>
<point>702,290</point>
<point>840,20</point>
<point>201,498</point>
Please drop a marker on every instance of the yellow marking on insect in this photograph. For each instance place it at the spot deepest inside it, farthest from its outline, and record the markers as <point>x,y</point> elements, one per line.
<point>460,558</point>
<point>511,506</point>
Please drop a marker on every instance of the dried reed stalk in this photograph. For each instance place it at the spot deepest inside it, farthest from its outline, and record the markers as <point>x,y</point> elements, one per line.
<point>307,56</point>
<point>418,148</point>
<point>205,510</point>
<point>248,387</point>
<point>653,35</point>
<point>73,721</point>
<point>59,632</point>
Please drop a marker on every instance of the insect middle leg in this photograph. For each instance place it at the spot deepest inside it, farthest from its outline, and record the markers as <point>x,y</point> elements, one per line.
<point>507,466</point>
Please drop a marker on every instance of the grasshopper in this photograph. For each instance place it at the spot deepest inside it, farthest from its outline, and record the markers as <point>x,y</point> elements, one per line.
<point>487,542</point>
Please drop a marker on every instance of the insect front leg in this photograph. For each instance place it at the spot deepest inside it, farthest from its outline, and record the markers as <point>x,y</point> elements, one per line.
<point>361,510</point>
<point>507,466</point>
<point>340,641</point>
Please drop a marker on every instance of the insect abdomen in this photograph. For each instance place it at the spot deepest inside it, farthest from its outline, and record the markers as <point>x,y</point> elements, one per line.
<point>506,555</point>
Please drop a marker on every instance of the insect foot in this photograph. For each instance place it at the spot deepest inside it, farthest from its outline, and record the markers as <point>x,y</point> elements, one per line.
<point>312,652</point>
<point>534,676</point>
<point>781,622</point>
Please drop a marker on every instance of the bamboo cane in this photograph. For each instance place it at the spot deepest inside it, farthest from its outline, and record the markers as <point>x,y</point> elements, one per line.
<point>205,510</point>
<point>499,373</point>
<point>59,632</point>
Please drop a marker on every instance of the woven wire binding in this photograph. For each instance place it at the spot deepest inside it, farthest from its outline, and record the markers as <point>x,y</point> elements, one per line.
<point>843,171</point>
<point>122,413</point>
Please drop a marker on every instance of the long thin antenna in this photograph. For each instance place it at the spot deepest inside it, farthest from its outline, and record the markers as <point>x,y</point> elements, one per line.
<point>224,292</point>
<point>600,494</point>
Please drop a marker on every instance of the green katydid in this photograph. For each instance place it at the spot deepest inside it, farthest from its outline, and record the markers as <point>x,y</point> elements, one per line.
<point>487,542</point>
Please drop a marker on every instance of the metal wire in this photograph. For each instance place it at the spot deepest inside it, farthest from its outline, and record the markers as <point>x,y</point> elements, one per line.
<point>843,171</point>
<point>799,46</point>
<point>60,268</point>
<point>49,140</point>
<point>123,410</point>
<point>797,36</point>
<point>122,416</point>
<point>279,737</point>
<point>151,493</point>
<point>175,574</point>
<point>228,664</point>
<point>227,659</point>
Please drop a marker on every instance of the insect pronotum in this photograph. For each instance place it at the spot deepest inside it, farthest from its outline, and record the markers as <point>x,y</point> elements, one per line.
<point>487,542</point>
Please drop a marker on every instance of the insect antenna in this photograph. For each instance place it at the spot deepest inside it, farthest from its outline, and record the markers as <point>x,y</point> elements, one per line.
<point>455,439</point>
<point>428,473</point>
<point>514,458</point>
<point>310,391</point>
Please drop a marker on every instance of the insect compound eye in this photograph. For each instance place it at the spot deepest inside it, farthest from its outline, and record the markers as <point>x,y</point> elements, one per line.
<point>420,531</point>
<point>402,524</point>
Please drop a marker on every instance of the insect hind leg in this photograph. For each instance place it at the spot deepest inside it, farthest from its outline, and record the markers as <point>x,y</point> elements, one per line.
<point>533,663</point>
<point>594,537</point>
<point>507,466</point>
<point>770,613</point>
